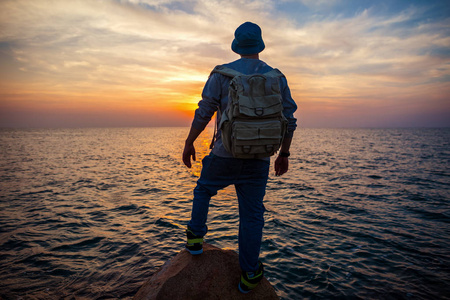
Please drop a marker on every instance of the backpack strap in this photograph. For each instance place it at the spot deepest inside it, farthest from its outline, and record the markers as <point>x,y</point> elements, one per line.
<point>229,73</point>
<point>214,133</point>
<point>221,69</point>
<point>274,73</point>
<point>226,71</point>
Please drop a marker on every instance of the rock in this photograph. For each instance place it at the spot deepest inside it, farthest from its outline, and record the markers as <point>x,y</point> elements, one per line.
<point>214,274</point>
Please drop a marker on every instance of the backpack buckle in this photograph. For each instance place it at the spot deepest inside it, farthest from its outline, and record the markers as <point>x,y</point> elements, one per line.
<point>246,149</point>
<point>259,111</point>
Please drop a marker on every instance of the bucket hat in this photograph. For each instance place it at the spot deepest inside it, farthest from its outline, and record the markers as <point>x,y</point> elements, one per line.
<point>248,39</point>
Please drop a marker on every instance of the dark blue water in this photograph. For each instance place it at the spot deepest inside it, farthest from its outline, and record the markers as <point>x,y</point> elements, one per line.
<point>93,213</point>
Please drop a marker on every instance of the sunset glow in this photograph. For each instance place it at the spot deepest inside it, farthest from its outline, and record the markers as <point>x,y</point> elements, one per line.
<point>144,62</point>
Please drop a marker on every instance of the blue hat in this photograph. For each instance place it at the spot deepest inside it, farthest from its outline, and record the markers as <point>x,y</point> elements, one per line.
<point>247,39</point>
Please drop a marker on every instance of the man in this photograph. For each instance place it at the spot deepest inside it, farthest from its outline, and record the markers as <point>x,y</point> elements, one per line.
<point>220,168</point>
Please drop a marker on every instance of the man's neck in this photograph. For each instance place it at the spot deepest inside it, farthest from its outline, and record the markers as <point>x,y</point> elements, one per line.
<point>251,56</point>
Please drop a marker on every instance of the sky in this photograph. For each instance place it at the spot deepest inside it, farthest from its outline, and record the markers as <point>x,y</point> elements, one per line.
<point>116,63</point>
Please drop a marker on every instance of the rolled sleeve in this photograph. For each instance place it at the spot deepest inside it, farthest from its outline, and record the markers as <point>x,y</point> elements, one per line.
<point>289,108</point>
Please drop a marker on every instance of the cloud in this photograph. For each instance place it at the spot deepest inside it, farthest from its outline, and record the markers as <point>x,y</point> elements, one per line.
<point>159,52</point>
<point>368,48</point>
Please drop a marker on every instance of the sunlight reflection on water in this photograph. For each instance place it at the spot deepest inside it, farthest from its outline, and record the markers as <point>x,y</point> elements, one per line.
<point>202,149</point>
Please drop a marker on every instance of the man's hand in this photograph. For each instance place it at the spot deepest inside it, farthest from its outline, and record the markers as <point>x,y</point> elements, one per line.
<point>281,165</point>
<point>189,150</point>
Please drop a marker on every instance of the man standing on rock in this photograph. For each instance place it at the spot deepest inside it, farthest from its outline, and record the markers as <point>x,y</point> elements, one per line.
<point>223,167</point>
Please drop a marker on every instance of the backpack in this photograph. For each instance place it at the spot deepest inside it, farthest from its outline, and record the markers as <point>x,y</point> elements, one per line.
<point>253,124</point>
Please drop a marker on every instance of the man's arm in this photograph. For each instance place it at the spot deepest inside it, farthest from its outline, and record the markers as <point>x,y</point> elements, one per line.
<point>289,107</point>
<point>282,163</point>
<point>206,108</point>
<point>189,149</point>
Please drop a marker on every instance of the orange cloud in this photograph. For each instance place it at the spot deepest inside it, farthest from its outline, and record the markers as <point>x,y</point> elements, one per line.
<point>153,57</point>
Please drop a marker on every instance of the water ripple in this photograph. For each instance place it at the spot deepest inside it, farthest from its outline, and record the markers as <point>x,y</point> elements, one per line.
<point>92,213</point>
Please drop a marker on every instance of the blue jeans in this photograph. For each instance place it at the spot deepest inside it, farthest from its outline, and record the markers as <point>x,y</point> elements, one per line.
<point>249,176</point>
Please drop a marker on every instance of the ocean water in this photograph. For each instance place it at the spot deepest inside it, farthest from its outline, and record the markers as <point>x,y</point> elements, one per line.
<point>93,213</point>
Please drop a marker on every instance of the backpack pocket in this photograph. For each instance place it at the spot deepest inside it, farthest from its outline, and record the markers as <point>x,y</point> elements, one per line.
<point>252,139</point>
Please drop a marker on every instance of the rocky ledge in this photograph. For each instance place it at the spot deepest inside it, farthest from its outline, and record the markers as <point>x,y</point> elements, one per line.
<point>215,274</point>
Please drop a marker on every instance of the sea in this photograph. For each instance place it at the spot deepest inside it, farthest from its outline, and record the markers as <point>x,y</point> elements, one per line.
<point>92,213</point>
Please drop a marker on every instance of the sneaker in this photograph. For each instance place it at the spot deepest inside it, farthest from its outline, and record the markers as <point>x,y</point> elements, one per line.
<point>250,280</point>
<point>194,243</point>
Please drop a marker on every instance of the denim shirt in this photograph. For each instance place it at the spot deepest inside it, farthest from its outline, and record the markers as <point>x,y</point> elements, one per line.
<point>215,97</point>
